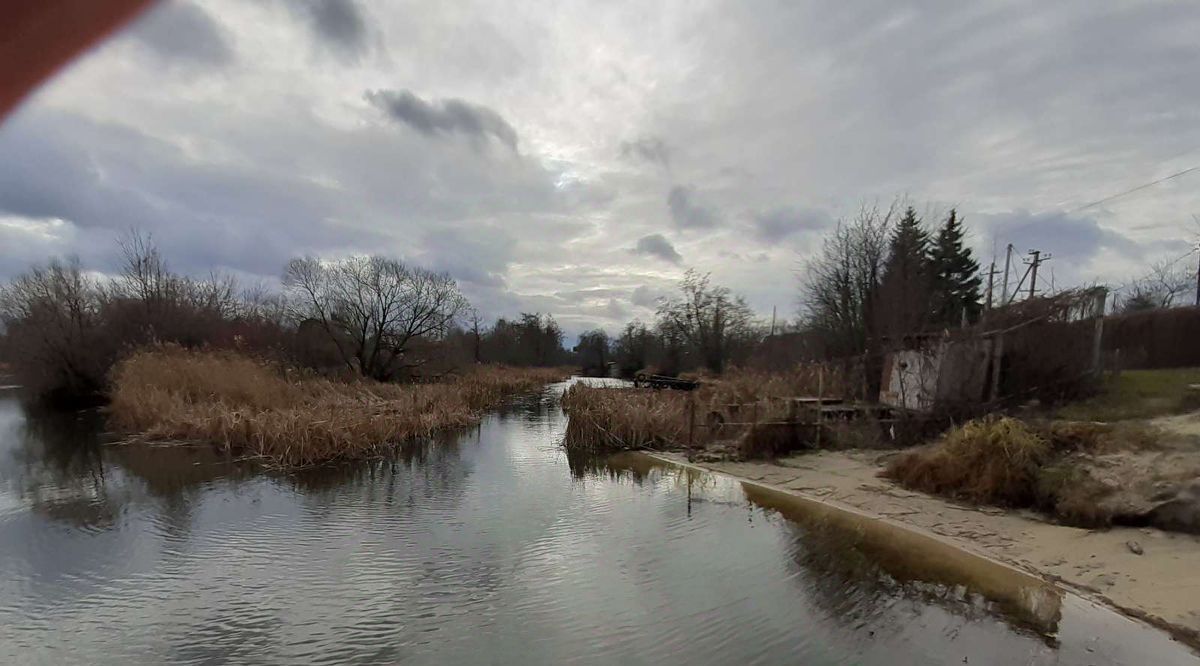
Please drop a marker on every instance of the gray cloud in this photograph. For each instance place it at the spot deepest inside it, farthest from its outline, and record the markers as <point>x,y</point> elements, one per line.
<point>657,245</point>
<point>452,116</point>
<point>183,32</point>
<point>646,296</point>
<point>1069,238</point>
<point>477,256</point>
<point>648,148</point>
<point>337,23</point>
<point>777,224</point>
<point>686,212</point>
<point>827,103</point>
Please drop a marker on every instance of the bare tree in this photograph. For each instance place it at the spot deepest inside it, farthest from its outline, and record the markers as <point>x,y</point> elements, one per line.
<point>841,286</point>
<point>1159,287</point>
<point>150,302</point>
<point>144,274</point>
<point>710,318</point>
<point>475,322</point>
<point>258,302</point>
<point>372,308</point>
<point>53,319</point>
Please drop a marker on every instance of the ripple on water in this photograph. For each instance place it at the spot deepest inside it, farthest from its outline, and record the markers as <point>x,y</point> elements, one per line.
<point>483,549</point>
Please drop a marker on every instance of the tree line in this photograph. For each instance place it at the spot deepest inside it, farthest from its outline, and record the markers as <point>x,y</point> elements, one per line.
<point>63,327</point>
<point>879,276</point>
<point>703,326</point>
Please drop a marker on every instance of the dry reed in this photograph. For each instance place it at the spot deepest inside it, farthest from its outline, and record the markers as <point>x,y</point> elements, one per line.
<point>260,409</point>
<point>606,419</point>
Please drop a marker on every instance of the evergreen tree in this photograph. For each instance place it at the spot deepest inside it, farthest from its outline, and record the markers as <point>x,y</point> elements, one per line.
<point>905,289</point>
<point>956,278</point>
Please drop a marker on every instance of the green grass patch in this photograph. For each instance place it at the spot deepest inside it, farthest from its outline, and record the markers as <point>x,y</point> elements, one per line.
<point>1137,394</point>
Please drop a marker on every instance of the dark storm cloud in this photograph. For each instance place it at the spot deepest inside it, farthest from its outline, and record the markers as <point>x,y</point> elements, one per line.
<point>657,245</point>
<point>337,23</point>
<point>649,148</point>
<point>450,116</point>
<point>774,225</point>
<point>1071,239</point>
<point>687,212</point>
<point>183,32</point>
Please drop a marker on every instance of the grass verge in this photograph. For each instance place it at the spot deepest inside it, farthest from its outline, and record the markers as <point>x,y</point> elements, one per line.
<point>1138,394</point>
<point>259,409</point>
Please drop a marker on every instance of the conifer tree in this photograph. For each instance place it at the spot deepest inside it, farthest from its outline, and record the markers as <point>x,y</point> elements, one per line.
<point>956,278</point>
<point>905,289</point>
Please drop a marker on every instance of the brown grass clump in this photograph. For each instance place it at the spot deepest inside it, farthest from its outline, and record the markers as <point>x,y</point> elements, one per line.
<point>1006,462</point>
<point>989,461</point>
<point>259,409</point>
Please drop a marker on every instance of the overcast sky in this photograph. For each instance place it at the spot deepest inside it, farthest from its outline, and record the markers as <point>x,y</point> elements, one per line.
<point>577,157</point>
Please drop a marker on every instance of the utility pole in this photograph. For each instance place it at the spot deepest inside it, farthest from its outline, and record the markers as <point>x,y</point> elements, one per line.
<point>991,279</point>
<point>1034,263</point>
<point>772,321</point>
<point>1007,263</point>
<point>1198,280</point>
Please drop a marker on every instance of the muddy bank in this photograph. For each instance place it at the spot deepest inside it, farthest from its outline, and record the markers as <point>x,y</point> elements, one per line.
<point>1147,573</point>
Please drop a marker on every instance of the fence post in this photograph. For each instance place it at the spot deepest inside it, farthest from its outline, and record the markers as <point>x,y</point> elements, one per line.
<point>997,362</point>
<point>820,403</point>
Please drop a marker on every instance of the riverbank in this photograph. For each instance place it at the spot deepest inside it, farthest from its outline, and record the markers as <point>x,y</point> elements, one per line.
<point>257,409</point>
<point>1159,584</point>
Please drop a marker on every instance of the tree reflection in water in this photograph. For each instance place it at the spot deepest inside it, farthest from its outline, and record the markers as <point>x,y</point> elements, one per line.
<point>57,465</point>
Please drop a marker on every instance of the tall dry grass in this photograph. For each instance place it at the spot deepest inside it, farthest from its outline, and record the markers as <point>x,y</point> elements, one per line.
<point>989,461</point>
<point>606,419</point>
<point>1042,465</point>
<point>261,409</point>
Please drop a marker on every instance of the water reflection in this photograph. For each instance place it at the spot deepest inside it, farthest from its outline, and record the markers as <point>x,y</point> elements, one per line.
<point>490,546</point>
<point>55,465</point>
<point>860,572</point>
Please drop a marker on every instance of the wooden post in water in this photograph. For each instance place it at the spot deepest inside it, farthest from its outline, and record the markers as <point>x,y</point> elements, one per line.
<point>691,412</point>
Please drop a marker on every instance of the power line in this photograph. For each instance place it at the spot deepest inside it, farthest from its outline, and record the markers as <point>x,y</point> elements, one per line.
<point>1136,189</point>
<point>1183,256</point>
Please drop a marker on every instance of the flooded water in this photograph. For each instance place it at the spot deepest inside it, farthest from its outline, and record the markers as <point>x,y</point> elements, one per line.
<point>491,547</point>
